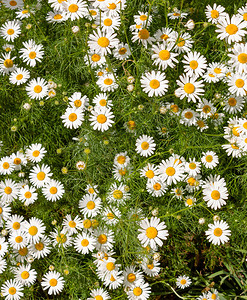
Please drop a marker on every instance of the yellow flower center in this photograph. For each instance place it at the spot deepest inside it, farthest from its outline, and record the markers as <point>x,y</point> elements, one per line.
<point>157,186</point>
<point>200,123</point>
<point>188,115</point>
<point>149,174</point>
<point>101,119</point>
<point>122,51</point>
<point>19,77</point>
<point>215,195</point>
<point>189,201</point>
<point>209,158</point>
<point>93,12</point>
<point>95,57</point>
<point>37,89</point>
<point>87,223</point>
<point>72,117</point>
<point>33,230</point>
<point>110,266</point>
<point>143,17</point>
<point>245,16</point>
<point>174,108</point>
<point>150,266</point>
<point>235,131</point>
<point>234,147</point>
<point>61,238</point>
<point>137,291</point>
<point>102,238</point>
<point>206,109</point>
<point>239,83</point>
<point>13,3</point>
<point>77,103</point>
<point>245,125</point>
<point>151,232</point>
<point>143,34</point>
<point>10,31</point>
<point>176,14</point>
<point>154,84</point>
<point>121,159</point>
<point>213,297</point>
<point>8,63</point>
<point>107,22</point>
<point>183,281</point>
<point>122,172</point>
<point>117,194</point>
<point>27,195</point>
<point>91,190</point>
<point>16,225</point>
<point>41,176</point>
<point>23,251</point>
<point>84,243</point>
<point>39,246</point>
<point>192,166</point>
<point>231,29</point>
<point>57,17</point>
<point>170,171</point>
<point>214,14</point>
<point>5,165</point>
<point>73,8</point>
<point>32,54</point>
<point>189,88</point>
<point>103,42</point>
<point>72,224</point>
<point>242,58</point>
<point>90,205</point>
<point>8,190</point>
<point>164,55</point>
<point>53,282</point>
<point>217,232</point>
<point>24,275</point>
<point>112,6</point>
<point>36,153</point>
<point>12,290</point>
<point>108,81</point>
<point>181,42</point>
<point>232,102</point>
<point>98,297</point>
<point>131,125</point>
<point>131,277</point>
<point>145,145</point>
<point>110,216</point>
<point>193,64</point>
<point>19,239</point>
<point>164,37</point>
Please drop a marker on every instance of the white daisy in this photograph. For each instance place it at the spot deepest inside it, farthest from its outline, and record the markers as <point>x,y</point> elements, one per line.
<point>189,117</point>
<point>190,201</point>
<point>139,291</point>
<point>194,64</point>
<point>121,51</point>
<point>23,13</point>
<point>99,294</point>
<point>34,229</point>
<point>13,4</point>
<point>10,30</point>
<point>35,152</point>
<point>39,176</point>
<point>78,101</point>
<point>213,295</point>
<point>156,187</point>
<point>37,88</point>
<point>114,7</point>
<point>94,59</point>
<point>218,233</point>
<point>53,281</point>
<point>233,104</point>
<point>90,205</point>
<point>57,4</point>
<point>8,190</point>
<point>27,194</point>
<point>193,167</point>
<point>171,171</point>
<point>183,42</point>
<point>56,16</point>
<point>19,76</point>
<point>104,239</point>
<point>177,15</point>
<point>165,35</point>
<point>238,57</point>
<point>3,247</point>
<point>210,159</point>
<point>14,222</point>
<point>143,36</point>
<point>111,216</point>
<point>101,118</point>
<point>183,282</point>
<point>12,289</point>
<point>3,265</point>
<point>150,267</point>
<point>107,82</point>
<point>53,190</point>
<point>163,57</point>
<point>5,212</point>
<point>108,23</point>
<point>18,239</point>
<point>154,83</point>
<point>40,249</point>
<point>145,145</point>
<point>122,159</point>
<point>238,84</point>
<point>25,275</point>
<point>131,276</point>
<point>61,238</point>
<point>117,194</point>
<point>31,53</point>
<point>143,18</point>
<point>75,9</point>
<point>6,165</point>
<point>206,109</point>
<point>215,13</point>
<point>7,63</point>
<point>73,118</point>
<point>150,171</point>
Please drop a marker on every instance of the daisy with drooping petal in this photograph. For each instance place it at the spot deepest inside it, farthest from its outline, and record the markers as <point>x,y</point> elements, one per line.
<point>19,76</point>
<point>84,243</point>
<point>183,282</point>
<point>7,63</point>
<point>215,192</point>
<point>34,229</point>
<point>210,159</point>
<point>165,35</point>
<point>101,118</point>
<point>163,57</point>
<point>8,190</point>
<point>23,13</point>
<point>122,159</point>
<point>114,7</point>
<point>122,51</point>
<point>61,238</point>
<point>102,42</point>
<point>22,254</point>
<point>117,194</point>
<point>37,88</point>
<point>183,42</point>
<point>99,294</point>
<point>194,64</point>
<point>72,225</point>
<point>145,145</point>
<point>188,117</point>
<point>31,53</point>
<point>94,59</point>
<point>10,30</point>
<point>13,4</point>
<point>78,101</point>
<point>111,216</point>
<point>152,232</point>
<point>25,275</point>
<point>131,276</point>
<point>189,88</point>
<point>177,15</point>
<point>6,165</point>
<point>139,291</point>
<point>41,249</point>
<point>233,104</point>
<point>205,108</point>
<point>53,190</point>
<point>107,83</point>
<point>156,187</point>
<point>238,84</point>
<point>72,118</point>
<point>75,9</point>
<point>232,30</point>
<point>215,13</point>
<point>12,290</point>
<point>113,280</point>
<point>27,194</point>
<point>53,281</point>
<point>39,176</point>
<point>35,152</point>
<point>218,233</point>
<point>143,36</point>
<point>56,16</point>
<point>154,83</point>
<point>90,205</point>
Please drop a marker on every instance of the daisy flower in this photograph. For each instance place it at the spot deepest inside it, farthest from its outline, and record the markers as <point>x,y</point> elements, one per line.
<point>53,281</point>
<point>61,238</point>
<point>18,239</point>
<point>143,18</point>
<point>117,194</point>
<point>8,190</point>
<point>171,171</point>
<point>91,189</point>
<point>34,229</point>
<point>203,297</point>
<point>78,101</point>
<point>113,280</point>
<point>114,7</point>
<point>31,53</point>
<point>189,88</point>
<point>131,276</point>
<point>40,249</point>
<point>165,35</point>
<point>53,190</point>
<point>210,159</point>
<point>183,282</point>
<point>101,118</point>
<point>72,225</point>
<point>7,64</point>
<point>56,16</point>
<point>3,265</point>
<point>238,57</point>
<point>194,64</point>
<point>188,117</point>
<point>150,171</point>
<point>232,30</point>
<point>107,83</point>
<point>39,176</point>
<point>102,42</point>
<point>10,30</point>
<point>72,118</point>
<point>215,192</point>
<point>177,15</point>
<point>25,275</point>
<point>154,83</point>
<point>5,212</point>
<point>23,13</point>
<point>215,13</point>
<point>152,232</point>
<point>104,239</point>
<point>19,76</point>
<point>218,233</point>
<point>90,205</point>
<point>145,145</point>
<point>238,84</point>
<point>111,216</point>
<point>150,267</point>
<point>233,149</point>
<point>108,23</point>
<point>193,167</point>
<point>22,254</point>
<point>142,36</point>
<point>75,9</point>
<point>3,247</point>
<point>6,165</point>
<point>234,104</point>
<point>122,159</point>
<point>84,243</point>
<point>94,59</point>
<point>121,51</point>
<point>13,4</point>
<point>183,42</point>
<point>57,4</point>
<point>37,88</point>
<point>156,187</point>
<point>35,152</point>
<point>130,126</point>
<point>163,57</point>
<point>99,294</point>
<point>190,201</point>
<point>27,194</point>
<point>139,291</point>
<point>242,11</point>
<point>205,108</point>
<point>213,295</point>
<point>80,165</point>
<point>12,289</point>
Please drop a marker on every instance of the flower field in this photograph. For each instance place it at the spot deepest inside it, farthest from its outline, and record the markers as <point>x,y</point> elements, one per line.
<point>123,149</point>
